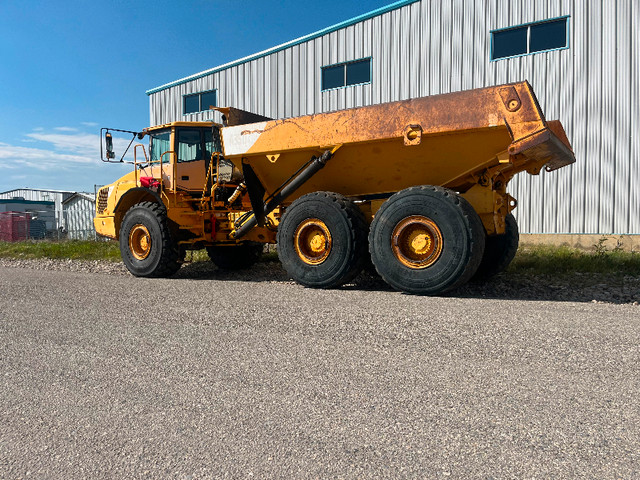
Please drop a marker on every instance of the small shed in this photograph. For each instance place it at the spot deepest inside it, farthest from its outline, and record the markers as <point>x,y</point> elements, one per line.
<point>78,211</point>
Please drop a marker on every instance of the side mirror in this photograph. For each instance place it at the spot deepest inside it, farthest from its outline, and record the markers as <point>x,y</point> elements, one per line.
<point>108,140</point>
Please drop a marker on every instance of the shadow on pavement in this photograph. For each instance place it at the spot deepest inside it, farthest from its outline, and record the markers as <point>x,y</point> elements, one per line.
<point>567,287</point>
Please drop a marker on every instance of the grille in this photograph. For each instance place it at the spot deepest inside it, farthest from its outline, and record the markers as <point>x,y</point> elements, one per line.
<point>102,199</point>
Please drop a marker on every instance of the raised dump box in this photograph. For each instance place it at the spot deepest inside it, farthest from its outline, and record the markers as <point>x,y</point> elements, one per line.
<point>418,186</point>
<point>444,140</point>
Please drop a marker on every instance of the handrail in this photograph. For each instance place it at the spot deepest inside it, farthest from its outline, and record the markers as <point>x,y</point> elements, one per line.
<point>151,163</point>
<point>208,176</point>
<point>135,160</point>
<point>173,176</point>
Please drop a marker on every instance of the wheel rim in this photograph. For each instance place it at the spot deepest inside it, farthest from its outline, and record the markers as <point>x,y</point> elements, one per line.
<point>140,241</point>
<point>312,241</point>
<point>416,242</point>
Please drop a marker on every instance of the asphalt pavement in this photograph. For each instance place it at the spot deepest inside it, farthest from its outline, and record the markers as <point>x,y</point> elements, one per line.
<point>110,376</point>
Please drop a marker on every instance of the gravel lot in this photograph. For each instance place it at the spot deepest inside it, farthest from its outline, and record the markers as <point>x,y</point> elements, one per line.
<point>213,375</point>
<point>572,286</point>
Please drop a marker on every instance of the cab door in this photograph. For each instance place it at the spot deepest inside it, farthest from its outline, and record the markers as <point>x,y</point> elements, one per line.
<point>192,159</point>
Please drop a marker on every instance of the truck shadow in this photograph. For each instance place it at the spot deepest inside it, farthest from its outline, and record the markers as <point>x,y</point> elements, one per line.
<point>567,287</point>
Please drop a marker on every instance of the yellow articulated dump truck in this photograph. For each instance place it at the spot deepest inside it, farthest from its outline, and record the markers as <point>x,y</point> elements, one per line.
<point>418,188</point>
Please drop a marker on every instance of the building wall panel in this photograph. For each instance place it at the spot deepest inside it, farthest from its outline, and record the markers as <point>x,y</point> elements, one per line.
<point>429,47</point>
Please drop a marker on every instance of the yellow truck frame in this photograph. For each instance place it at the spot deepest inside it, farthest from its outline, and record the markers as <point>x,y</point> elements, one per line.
<point>417,188</point>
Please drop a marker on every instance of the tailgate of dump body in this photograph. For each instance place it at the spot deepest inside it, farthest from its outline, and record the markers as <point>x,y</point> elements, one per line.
<point>440,140</point>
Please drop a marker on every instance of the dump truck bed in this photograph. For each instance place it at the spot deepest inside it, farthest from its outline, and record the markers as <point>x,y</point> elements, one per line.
<point>445,140</point>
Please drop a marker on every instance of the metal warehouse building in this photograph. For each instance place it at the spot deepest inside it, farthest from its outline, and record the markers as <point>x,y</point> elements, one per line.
<point>40,195</point>
<point>581,56</point>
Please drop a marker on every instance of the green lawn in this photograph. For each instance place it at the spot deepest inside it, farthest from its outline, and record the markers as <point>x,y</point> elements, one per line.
<point>530,259</point>
<point>562,260</point>
<point>74,249</point>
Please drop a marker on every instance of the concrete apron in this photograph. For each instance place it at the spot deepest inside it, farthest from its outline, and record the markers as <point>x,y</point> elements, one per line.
<point>628,243</point>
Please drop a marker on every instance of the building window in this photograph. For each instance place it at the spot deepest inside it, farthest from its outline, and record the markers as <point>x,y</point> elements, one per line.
<point>529,38</point>
<point>198,102</point>
<point>346,74</point>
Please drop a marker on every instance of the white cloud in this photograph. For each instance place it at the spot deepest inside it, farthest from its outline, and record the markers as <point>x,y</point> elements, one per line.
<point>77,142</point>
<point>13,157</point>
<point>50,151</point>
<point>66,129</point>
<point>89,124</point>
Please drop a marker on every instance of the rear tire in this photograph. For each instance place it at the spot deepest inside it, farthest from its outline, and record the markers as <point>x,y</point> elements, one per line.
<point>426,240</point>
<point>322,240</point>
<point>146,245</point>
<point>235,257</point>
<point>499,251</point>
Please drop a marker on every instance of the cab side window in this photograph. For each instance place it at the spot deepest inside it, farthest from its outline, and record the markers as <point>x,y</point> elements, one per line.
<point>189,144</point>
<point>211,142</point>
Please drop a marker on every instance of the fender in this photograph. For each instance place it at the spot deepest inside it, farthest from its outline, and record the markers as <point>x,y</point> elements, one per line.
<point>129,199</point>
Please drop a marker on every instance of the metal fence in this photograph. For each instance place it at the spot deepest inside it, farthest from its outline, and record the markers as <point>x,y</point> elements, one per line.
<point>73,224</point>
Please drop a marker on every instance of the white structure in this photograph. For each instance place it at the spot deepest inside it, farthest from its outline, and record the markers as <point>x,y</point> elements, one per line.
<point>78,213</point>
<point>581,56</point>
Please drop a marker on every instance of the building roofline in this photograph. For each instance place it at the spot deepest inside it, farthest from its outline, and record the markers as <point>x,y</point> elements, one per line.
<point>27,202</point>
<point>87,196</point>
<point>291,43</point>
<point>38,190</point>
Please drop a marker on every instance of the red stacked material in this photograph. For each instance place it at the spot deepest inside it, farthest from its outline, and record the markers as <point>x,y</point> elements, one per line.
<point>14,226</point>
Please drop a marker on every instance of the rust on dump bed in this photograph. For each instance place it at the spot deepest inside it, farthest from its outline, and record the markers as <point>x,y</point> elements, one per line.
<point>449,140</point>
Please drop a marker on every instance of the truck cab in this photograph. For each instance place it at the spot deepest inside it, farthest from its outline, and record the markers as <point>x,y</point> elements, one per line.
<point>183,149</point>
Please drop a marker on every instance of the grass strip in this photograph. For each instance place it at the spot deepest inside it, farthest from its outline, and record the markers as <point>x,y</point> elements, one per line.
<point>72,249</point>
<point>548,260</point>
<point>544,260</point>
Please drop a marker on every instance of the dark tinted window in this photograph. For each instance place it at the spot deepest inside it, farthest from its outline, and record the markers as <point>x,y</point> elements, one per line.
<point>191,103</point>
<point>530,38</point>
<point>332,77</point>
<point>548,35</point>
<point>508,43</point>
<point>348,73</point>
<point>359,72</point>
<point>208,99</point>
<point>199,102</point>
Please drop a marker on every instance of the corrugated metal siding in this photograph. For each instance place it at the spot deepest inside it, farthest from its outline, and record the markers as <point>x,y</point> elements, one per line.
<point>433,47</point>
<point>78,218</point>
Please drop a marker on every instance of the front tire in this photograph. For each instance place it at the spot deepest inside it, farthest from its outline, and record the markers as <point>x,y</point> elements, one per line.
<point>146,245</point>
<point>426,240</point>
<point>322,240</point>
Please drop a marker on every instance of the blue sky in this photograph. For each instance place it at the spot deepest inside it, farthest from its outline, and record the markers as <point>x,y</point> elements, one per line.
<point>70,67</point>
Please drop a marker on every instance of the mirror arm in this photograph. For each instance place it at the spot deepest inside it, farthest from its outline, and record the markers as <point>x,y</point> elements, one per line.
<point>105,131</point>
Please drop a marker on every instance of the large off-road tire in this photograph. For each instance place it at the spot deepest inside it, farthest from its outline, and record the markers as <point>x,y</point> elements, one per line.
<point>146,244</point>
<point>235,257</point>
<point>426,240</point>
<point>499,250</point>
<point>322,240</point>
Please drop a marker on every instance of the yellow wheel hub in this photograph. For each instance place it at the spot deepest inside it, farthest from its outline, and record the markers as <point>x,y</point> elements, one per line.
<point>140,241</point>
<point>416,242</point>
<point>312,241</point>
